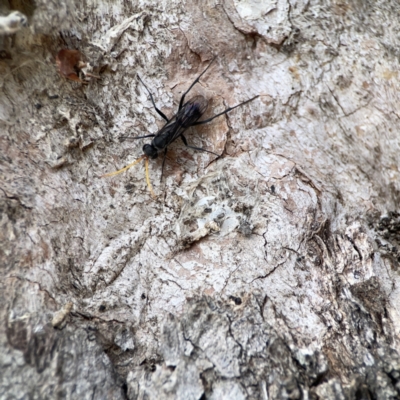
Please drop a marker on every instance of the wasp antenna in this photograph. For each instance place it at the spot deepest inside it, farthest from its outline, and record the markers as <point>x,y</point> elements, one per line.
<point>123,169</point>
<point>146,165</point>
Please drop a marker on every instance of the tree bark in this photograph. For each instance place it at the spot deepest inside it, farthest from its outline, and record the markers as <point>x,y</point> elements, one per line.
<point>269,272</point>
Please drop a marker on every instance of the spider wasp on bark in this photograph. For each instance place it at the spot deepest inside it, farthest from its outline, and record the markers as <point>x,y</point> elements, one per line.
<point>188,115</point>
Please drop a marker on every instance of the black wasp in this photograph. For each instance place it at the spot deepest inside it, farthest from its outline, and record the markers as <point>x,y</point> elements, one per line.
<point>188,115</point>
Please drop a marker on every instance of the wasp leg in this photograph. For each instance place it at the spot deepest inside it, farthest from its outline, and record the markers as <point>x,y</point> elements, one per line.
<point>152,100</point>
<point>197,148</point>
<point>146,165</point>
<point>163,162</point>
<point>195,81</point>
<point>122,138</point>
<point>223,112</point>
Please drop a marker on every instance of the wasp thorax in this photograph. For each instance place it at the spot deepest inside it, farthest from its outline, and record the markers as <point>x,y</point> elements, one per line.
<point>150,151</point>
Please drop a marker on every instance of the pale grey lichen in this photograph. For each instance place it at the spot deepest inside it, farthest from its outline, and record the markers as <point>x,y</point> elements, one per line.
<point>216,204</point>
<point>12,23</point>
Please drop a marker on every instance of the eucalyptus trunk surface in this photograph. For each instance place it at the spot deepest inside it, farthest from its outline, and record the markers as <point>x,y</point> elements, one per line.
<point>268,272</point>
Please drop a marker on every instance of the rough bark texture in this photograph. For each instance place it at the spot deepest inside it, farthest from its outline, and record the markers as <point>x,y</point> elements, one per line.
<point>271,272</point>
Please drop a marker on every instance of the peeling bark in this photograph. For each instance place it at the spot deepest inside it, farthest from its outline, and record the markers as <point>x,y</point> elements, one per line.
<point>270,272</point>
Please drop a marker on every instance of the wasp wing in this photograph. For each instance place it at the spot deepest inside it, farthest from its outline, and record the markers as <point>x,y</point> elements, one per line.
<point>186,117</point>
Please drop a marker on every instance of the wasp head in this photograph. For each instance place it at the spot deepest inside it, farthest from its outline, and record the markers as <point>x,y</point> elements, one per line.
<point>150,151</point>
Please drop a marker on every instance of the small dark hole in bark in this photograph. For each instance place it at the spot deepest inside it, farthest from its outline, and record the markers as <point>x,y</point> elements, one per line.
<point>236,300</point>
